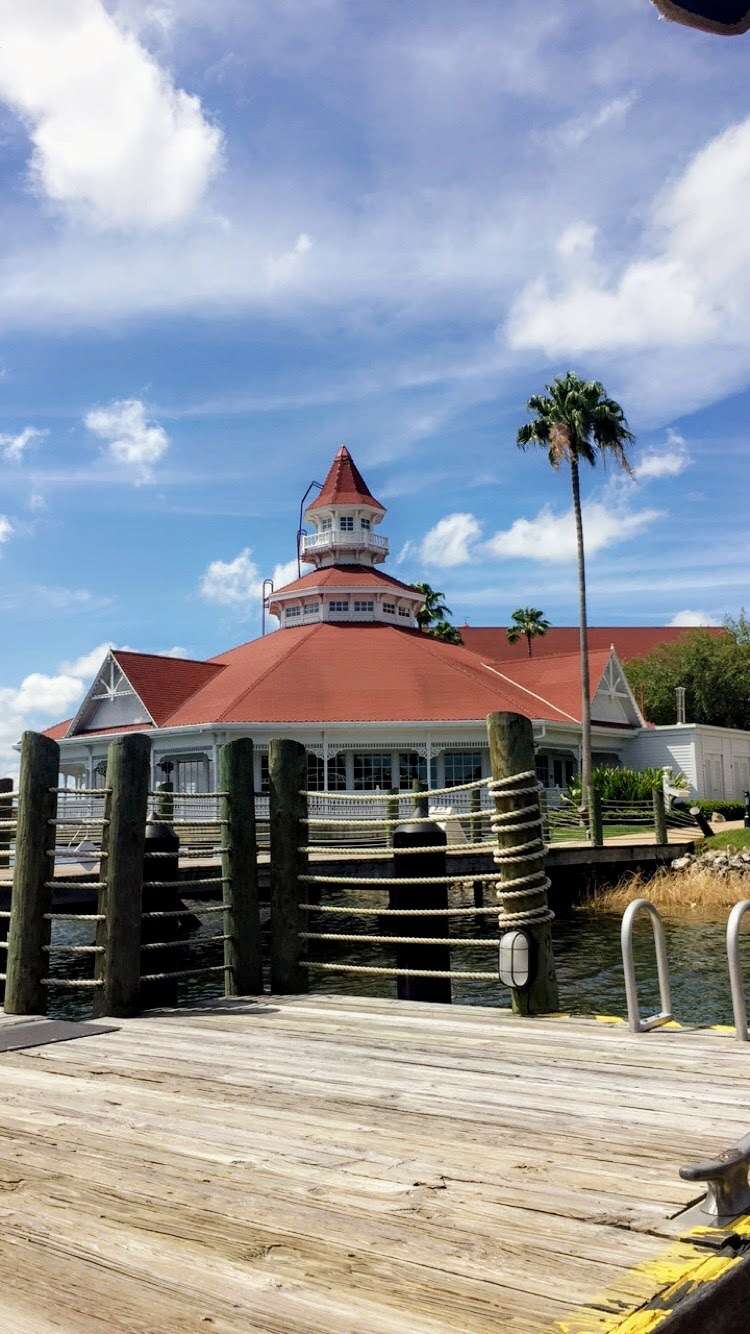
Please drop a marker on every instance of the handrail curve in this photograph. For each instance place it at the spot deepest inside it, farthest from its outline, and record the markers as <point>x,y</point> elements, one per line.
<point>736,980</point>
<point>638,1025</point>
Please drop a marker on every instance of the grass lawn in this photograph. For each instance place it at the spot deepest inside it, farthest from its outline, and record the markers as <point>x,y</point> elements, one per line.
<point>731,838</point>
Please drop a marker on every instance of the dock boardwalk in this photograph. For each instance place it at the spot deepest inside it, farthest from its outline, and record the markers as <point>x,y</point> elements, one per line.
<point>326,1163</point>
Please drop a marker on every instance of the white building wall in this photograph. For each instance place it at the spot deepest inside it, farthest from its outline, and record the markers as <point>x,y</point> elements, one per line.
<point>715,760</point>
<point>653,748</point>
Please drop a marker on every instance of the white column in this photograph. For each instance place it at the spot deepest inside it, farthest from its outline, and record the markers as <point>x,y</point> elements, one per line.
<point>428,759</point>
<point>325,762</point>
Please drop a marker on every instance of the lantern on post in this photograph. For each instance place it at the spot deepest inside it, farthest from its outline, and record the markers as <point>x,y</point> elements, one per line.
<point>515,959</point>
<point>729,18</point>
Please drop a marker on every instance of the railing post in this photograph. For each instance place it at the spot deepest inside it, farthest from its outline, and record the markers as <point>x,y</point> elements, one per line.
<point>6,814</point>
<point>512,761</point>
<point>121,900</point>
<point>164,802</point>
<point>287,775</point>
<point>434,958</point>
<point>239,868</point>
<point>391,811</point>
<point>27,959</point>
<point>596,817</point>
<point>660,816</point>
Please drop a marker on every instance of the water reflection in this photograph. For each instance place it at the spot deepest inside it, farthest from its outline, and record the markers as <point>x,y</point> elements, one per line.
<point>587,950</point>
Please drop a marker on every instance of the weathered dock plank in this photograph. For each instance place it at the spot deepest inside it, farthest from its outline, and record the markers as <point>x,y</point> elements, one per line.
<point>333,1163</point>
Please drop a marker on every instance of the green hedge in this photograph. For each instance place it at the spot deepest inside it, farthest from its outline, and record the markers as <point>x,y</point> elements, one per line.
<point>731,810</point>
<point>621,784</point>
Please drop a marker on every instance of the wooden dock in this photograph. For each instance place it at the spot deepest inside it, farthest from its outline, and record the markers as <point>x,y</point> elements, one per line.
<point>325,1163</point>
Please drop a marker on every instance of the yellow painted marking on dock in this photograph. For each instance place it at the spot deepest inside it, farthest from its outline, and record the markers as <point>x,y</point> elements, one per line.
<point>609,1019</point>
<point>722,1028</point>
<point>677,1273</point>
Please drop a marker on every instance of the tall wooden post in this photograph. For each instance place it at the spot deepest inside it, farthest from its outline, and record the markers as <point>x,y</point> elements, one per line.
<point>596,817</point>
<point>406,866</point>
<point>660,816</point>
<point>287,776</point>
<point>27,958</point>
<point>511,741</point>
<point>239,867</point>
<point>121,900</point>
<point>6,815</point>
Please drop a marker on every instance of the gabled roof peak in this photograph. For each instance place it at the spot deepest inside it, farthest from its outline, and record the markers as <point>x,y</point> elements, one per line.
<point>344,485</point>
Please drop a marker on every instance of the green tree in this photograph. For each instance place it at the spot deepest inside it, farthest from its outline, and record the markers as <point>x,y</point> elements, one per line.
<point>528,622</point>
<point>576,422</point>
<point>714,669</point>
<point>433,607</point>
<point>444,630</point>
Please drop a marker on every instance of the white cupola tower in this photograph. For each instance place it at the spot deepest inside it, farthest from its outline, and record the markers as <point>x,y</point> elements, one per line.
<point>342,544</point>
<point>343,519</point>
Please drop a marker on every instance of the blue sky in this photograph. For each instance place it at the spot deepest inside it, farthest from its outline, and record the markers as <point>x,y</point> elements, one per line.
<point>237,234</point>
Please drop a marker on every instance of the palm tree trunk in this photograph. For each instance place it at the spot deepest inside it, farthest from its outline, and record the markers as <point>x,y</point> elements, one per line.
<point>586,765</point>
<point>528,641</point>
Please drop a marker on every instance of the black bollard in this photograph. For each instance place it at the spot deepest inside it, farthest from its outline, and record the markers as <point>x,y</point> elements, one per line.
<point>434,957</point>
<point>160,894</point>
<point>698,817</point>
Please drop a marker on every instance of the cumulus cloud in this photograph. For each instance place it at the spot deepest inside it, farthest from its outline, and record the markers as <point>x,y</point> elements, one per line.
<point>690,283</point>
<point>551,537</point>
<point>38,701</point>
<point>693,618</point>
<point>232,583</point>
<point>12,447</point>
<point>131,439</point>
<point>669,461</point>
<point>88,663</point>
<point>6,528</point>
<point>111,134</point>
<point>575,132</point>
<point>284,573</point>
<point>451,541</point>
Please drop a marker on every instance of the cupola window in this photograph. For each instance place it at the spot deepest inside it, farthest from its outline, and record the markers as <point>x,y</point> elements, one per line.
<point>364,606</point>
<point>338,606</point>
<point>389,608</point>
<point>366,524</point>
<point>346,523</point>
<point>404,611</point>
<point>292,611</point>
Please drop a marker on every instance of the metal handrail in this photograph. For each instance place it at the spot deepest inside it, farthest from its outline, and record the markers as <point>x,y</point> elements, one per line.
<point>736,980</point>
<point>638,1025</point>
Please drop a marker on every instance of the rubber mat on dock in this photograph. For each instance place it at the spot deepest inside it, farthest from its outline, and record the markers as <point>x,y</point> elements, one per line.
<point>37,1032</point>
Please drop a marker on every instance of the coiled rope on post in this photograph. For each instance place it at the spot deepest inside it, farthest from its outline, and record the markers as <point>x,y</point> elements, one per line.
<point>511,822</point>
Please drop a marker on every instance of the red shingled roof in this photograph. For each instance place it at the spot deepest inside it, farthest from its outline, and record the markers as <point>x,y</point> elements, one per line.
<point>344,485</point>
<point>630,641</point>
<point>358,673</point>
<point>344,576</point>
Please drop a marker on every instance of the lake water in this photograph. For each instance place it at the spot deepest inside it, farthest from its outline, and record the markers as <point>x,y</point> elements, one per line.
<point>587,951</point>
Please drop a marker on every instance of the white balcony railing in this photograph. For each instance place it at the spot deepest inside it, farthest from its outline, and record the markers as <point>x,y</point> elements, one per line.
<point>328,539</point>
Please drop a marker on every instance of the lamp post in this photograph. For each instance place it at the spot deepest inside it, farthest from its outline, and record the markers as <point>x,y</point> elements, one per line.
<point>266,592</point>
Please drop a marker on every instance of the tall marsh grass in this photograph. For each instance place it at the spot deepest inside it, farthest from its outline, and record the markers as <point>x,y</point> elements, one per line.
<point>697,889</point>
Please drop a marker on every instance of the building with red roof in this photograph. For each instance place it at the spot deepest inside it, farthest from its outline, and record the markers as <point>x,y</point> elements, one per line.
<point>375,701</point>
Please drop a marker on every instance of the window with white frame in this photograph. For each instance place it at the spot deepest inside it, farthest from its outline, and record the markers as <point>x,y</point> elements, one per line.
<point>292,612</point>
<point>404,611</point>
<point>373,771</point>
<point>337,773</point>
<point>338,606</point>
<point>346,523</point>
<point>310,607</point>
<point>364,606</point>
<point>412,766</point>
<point>325,525</point>
<point>462,766</point>
<point>314,772</point>
<point>366,525</point>
<point>389,608</point>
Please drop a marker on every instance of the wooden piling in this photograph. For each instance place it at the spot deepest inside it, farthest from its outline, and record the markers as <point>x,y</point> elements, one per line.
<point>287,776</point>
<point>27,958</point>
<point>596,818</point>
<point>239,867</point>
<point>511,741</point>
<point>121,899</point>
<point>660,816</point>
<point>434,958</point>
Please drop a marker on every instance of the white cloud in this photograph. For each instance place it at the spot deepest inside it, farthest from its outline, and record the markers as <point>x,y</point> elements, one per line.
<point>131,440</point>
<point>552,537</point>
<point>406,551</point>
<point>6,528</point>
<point>450,542</point>
<point>38,701</point>
<point>232,583</point>
<point>36,502</point>
<point>689,285</point>
<point>111,134</point>
<point>669,461</point>
<point>577,239</point>
<point>88,663</point>
<point>12,446</point>
<point>176,651</point>
<point>284,573</point>
<point>575,132</point>
<point>693,618</point>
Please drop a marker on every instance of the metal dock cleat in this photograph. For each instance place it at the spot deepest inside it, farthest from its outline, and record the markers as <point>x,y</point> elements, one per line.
<point>727,1186</point>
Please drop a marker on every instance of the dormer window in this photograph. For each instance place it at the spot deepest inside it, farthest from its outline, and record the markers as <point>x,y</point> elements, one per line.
<point>325,526</point>
<point>292,611</point>
<point>368,607</point>
<point>389,608</point>
<point>338,606</point>
<point>404,611</point>
<point>346,523</point>
<point>366,525</point>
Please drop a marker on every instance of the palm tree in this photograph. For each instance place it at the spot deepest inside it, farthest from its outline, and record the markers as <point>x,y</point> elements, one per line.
<point>445,631</point>
<point>433,608</point>
<point>576,422</point>
<point>528,621</point>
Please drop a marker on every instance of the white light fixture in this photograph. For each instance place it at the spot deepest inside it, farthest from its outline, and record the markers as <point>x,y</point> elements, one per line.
<point>514,961</point>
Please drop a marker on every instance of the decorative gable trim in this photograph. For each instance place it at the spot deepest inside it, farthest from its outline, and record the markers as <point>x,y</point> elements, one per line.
<point>110,684</point>
<point>614,690</point>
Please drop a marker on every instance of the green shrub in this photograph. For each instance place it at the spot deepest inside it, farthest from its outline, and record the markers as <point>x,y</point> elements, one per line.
<point>619,784</point>
<point>731,810</point>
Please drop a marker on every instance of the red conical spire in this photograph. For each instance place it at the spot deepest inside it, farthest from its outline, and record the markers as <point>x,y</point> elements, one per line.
<point>345,485</point>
